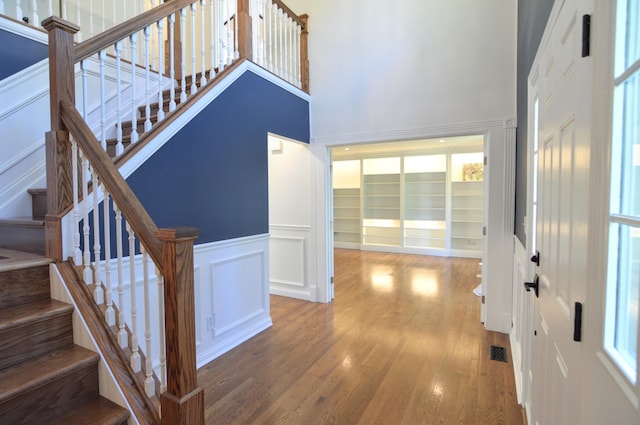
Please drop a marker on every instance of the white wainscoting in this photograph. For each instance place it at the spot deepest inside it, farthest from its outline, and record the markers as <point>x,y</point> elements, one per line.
<point>521,331</point>
<point>232,294</point>
<point>231,287</point>
<point>290,262</point>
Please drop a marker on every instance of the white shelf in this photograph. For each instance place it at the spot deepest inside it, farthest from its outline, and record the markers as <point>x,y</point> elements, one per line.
<point>346,215</point>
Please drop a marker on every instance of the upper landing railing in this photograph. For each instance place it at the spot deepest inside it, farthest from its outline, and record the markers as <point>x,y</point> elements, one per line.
<point>139,275</point>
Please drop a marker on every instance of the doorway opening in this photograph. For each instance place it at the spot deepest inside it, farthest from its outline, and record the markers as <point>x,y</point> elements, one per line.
<point>418,197</point>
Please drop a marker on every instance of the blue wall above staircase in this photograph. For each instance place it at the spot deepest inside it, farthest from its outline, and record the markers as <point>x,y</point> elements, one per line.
<point>213,173</point>
<point>18,53</point>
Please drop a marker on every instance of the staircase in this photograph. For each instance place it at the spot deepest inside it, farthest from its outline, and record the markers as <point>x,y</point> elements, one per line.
<point>154,108</point>
<point>44,377</point>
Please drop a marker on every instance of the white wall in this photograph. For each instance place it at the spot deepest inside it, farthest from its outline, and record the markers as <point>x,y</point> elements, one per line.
<point>293,256</point>
<point>387,67</point>
<point>402,70</point>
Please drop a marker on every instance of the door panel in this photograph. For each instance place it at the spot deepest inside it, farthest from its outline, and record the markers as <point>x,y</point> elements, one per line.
<point>563,87</point>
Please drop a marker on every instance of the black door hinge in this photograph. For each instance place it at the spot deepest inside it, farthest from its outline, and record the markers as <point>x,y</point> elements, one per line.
<point>577,322</point>
<point>586,35</point>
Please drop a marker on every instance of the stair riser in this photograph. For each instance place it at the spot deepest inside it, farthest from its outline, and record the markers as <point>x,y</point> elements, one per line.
<point>38,204</point>
<point>21,343</point>
<point>24,286</point>
<point>44,402</point>
<point>126,126</point>
<point>22,238</point>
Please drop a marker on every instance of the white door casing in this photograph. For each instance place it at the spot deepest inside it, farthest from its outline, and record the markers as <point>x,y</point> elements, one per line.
<point>561,78</point>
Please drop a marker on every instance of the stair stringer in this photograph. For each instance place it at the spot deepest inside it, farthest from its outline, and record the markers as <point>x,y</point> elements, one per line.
<point>83,337</point>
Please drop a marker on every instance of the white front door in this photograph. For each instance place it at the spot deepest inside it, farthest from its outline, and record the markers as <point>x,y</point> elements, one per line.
<point>562,79</point>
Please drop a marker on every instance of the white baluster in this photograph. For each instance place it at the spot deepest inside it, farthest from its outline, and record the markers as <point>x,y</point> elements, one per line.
<point>183,63</point>
<point>149,383</point>
<point>136,363</point>
<point>162,366</point>
<point>213,27</point>
<point>269,35</point>
<point>88,275</point>
<point>103,107</point>
<point>83,72</point>
<point>109,313</point>
<point>134,107</point>
<point>19,14</point>
<point>160,72</point>
<point>91,32</point>
<point>98,294</point>
<point>35,19</point>
<point>262,33</point>
<point>119,145</point>
<point>124,11</point>
<point>77,254</point>
<point>287,47</point>
<point>222,35</point>
<point>84,179</point>
<point>203,77</point>
<point>2,7</point>
<point>50,8</point>
<point>172,70</point>
<point>154,49</point>
<point>103,15</point>
<point>194,87</point>
<point>123,339</point>
<point>236,39</point>
<point>281,43</point>
<point>230,46</point>
<point>298,57</point>
<point>78,22</point>
<point>64,9</point>
<point>147,81</point>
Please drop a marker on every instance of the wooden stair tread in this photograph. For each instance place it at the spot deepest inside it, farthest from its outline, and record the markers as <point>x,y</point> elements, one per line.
<point>99,410</point>
<point>20,315</point>
<point>41,370</point>
<point>13,260</point>
<point>22,222</point>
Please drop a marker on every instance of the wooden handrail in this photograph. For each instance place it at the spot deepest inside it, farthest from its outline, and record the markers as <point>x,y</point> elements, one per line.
<point>117,33</point>
<point>289,12</point>
<point>116,185</point>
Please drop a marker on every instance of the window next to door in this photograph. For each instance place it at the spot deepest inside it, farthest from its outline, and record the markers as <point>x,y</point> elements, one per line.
<point>623,276</point>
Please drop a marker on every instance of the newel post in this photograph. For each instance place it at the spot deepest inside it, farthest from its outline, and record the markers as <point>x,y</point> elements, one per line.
<point>304,53</point>
<point>245,42</point>
<point>58,148</point>
<point>183,402</point>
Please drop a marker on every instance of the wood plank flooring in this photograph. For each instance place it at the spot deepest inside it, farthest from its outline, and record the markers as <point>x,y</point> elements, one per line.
<point>401,344</point>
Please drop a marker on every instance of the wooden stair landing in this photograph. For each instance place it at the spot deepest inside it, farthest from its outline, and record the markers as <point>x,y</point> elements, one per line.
<point>44,377</point>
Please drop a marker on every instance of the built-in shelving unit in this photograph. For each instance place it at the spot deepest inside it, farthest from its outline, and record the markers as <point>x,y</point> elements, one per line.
<point>466,215</point>
<point>381,209</point>
<point>425,202</point>
<point>346,215</point>
<point>411,203</point>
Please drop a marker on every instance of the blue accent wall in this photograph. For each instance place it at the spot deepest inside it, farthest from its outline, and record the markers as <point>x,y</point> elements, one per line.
<point>18,53</point>
<point>532,19</point>
<point>213,173</point>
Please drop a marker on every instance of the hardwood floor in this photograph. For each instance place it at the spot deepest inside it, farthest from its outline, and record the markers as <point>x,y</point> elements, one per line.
<point>401,344</point>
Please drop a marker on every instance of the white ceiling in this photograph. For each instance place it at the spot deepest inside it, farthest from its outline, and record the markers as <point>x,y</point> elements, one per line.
<point>422,145</point>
